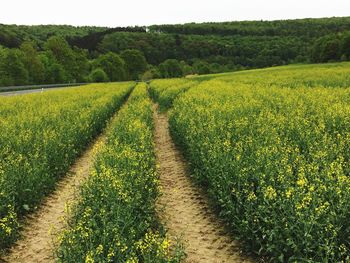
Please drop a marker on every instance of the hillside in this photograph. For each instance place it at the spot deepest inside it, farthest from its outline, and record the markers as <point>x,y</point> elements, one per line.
<point>166,50</point>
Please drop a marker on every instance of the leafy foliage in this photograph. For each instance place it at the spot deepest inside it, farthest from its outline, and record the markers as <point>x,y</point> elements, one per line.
<point>166,91</point>
<point>115,220</point>
<point>171,68</point>
<point>135,63</point>
<point>112,65</point>
<point>271,148</point>
<point>70,54</point>
<point>98,75</point>
<point>41,135</point>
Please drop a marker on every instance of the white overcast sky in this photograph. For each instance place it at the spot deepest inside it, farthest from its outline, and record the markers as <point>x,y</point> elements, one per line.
<point>147,12</point>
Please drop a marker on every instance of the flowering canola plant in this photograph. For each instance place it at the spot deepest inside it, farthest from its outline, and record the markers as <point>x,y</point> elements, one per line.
<point>40,137</point>
<point>273,153</point>
<point>164,91</point>
<point>114,220</point>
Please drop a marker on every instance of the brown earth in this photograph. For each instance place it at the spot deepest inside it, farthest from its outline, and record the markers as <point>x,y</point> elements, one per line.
<point>184,209</point>
<point>37,241</point>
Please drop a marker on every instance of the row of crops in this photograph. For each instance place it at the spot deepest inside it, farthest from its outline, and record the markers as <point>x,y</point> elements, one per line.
<point>114,220</point>
<point>271,147</point>
<point>322,75</point>
<point>40,137</point>
<point>164,92</point>
<point>274,160</point>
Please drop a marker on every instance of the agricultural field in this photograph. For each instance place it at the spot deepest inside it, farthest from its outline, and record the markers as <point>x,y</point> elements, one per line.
<point>271,147</point>
<point>251,166</point>
<point>41,135</point>
<point>115,219</point>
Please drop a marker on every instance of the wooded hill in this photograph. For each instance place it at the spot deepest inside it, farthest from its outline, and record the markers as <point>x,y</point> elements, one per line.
<point>109,54</point>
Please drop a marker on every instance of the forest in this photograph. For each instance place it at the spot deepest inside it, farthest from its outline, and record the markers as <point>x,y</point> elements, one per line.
<point>47,54</point>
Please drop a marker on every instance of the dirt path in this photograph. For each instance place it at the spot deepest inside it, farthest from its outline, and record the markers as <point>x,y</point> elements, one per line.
<point>36,244</point>
<point>184,209</point>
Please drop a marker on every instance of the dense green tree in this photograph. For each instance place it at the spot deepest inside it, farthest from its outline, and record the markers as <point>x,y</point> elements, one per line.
<point>155,47</point>
<point>186,69</point>
<point>112,65</point>
<point>9,38</point>
<point>170,68</point>
<point>98,75</point>
<point>81,65</point>
<point>2,55</point>
<point>135,62</point>
<point>53,54</point>
<point>57,74</point>
<point>326,49</point>
<point>60,49</point>
<point>151,73</point>
<point>32,63</point>
<point>63,54</point>
<point>147,76</point>
<point>12,69</point>
<point>156,73</point>
<point>345,45</point>
<point>217,68</point>
<point>330,50</point>
<point>201,67</point>
<point>297,27</point>
<point>13,36</point>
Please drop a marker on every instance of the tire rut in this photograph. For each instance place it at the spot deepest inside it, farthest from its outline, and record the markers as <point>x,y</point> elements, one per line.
<point>184,209</point>
<point>38,234</point>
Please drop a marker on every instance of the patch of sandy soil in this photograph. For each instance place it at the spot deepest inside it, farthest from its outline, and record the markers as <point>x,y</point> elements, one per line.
<point>37,241</point>
<point>184,209</point>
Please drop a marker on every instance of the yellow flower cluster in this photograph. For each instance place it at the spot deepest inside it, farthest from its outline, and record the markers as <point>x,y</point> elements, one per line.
<point>273,147</point>
<point>41,136</point>
<point>153,242</point>
<point>166,91</point>
<point>270,193</point>
<point>114,220</point>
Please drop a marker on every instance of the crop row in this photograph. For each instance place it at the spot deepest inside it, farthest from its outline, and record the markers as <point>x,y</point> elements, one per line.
<point>166,91</point>
<point>40,136</point>
<point>322,75</point>
<point>276,163</point>
<point>114,220</point>
<point>275,160</point>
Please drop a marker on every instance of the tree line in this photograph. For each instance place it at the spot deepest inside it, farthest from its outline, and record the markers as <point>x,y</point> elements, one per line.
<point>58,62</point>
<point>308,27</point>
<point>60,54</point>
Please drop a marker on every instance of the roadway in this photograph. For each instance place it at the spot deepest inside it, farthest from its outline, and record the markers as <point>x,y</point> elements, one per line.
<point>21,92</point>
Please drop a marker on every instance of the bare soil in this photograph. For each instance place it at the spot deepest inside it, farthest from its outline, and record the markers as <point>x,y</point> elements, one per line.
<point>37,241</point>
<point>183,208</point>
